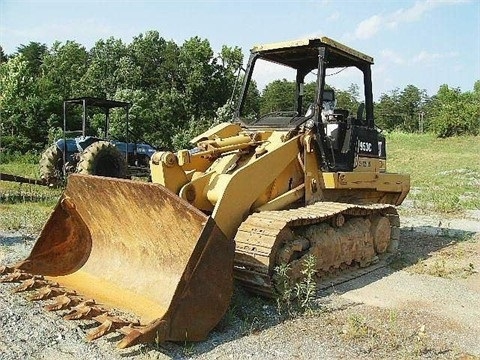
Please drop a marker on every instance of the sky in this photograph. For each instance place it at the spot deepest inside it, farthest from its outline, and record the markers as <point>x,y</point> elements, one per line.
<point>425,43</point>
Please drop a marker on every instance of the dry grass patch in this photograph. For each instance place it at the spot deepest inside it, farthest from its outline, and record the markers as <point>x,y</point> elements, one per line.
<point>364,332</point>
<point>461,259</point>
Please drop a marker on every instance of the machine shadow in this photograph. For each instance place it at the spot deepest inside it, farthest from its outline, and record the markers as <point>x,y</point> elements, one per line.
<point>249,314</point>
<point>13,239</point>
<point>417,243</point>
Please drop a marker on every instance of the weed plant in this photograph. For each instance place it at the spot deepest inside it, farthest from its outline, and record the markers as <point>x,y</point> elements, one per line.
<point>295,298</point>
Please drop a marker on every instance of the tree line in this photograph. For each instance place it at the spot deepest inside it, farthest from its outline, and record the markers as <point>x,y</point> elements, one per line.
<point>175,90</point>
<point>450,112</point>
<point>178,90</point>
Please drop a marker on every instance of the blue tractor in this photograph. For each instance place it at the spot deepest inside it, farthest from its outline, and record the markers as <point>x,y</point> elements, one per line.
<point>91,154</point>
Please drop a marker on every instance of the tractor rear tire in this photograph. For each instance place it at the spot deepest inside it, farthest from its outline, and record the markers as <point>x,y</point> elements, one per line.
<point>51,166</point>
<point>103,159</point>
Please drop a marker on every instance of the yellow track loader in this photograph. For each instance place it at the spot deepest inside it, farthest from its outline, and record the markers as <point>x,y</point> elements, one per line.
<point>252,194</point>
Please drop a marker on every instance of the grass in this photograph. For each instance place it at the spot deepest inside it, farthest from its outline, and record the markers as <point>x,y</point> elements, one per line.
<point>387,332</point>
<point>28,217</point>
<point>458,260</point>
<point>24,165</point>
<point>445,178</point>
<point>445,173</point>
<point>24,206</point>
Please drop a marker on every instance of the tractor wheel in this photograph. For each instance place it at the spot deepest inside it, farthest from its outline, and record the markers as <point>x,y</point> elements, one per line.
<point>51,166</point>
<point>104,159</point>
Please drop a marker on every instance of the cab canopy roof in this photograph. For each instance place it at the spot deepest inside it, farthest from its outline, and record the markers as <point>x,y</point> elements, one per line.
<point>303,54</point>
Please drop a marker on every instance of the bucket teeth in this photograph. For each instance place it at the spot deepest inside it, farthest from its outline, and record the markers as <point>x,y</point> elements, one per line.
<point>50,291</point>
<point>16,276</point>
<point>63,302</point>
<point>154,331</point>
<point>85,310</point>
<point>108,324</point>
<point>125,330</point>
<point>31,284</point>
<point>6,270</point>
<point>79,308</point>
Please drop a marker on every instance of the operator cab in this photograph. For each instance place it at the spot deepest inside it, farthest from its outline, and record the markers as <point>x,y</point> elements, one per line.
<point>300,98</point>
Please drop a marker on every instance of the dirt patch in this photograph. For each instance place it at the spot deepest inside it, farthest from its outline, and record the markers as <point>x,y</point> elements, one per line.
<point>425,304</point>
<point>434,285</point>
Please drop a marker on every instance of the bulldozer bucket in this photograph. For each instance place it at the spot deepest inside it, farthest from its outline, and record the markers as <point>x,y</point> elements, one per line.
<point>139,248</point>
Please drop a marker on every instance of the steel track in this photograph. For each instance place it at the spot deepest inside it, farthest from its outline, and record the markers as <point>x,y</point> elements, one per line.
<point>261,235</point>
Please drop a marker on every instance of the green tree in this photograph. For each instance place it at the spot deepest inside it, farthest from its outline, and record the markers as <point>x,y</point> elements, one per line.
<point>279,95</point>
<point>173,88</point>
<point>228,67</point>
<point>26,106</point>
<point>101,78</point>
<point>253,100</point>
<point>62,71</point>
<point>3,56</point>
<point>412,101</point>
<point>387,111</point>
<point>19,107</point>
<point>63,68</point>
<point>15,84</point>
<point>456,113</point>
<point>309,91</point>
<point>127,73</point>
<point>202,79</point>
<point>33,54</point>
<point>348,99</point>
<point>401,109</point>
<point>157,60</point>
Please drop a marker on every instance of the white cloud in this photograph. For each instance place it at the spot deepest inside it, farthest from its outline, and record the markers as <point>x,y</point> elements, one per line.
<point>79,30</point>
<point>341,79</point>
<point>382,80</point>
<point>265,72</point>
<point>334,16</point>
<point>371,26</point>
<point>392,56</point>
<point>380,69</point>
<point>63,29</point>
<point>389,56</point>
<point>427,57</point>
<point>411,14</point>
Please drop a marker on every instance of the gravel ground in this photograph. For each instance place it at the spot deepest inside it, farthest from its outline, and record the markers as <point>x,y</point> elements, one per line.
<point>424,305</point>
